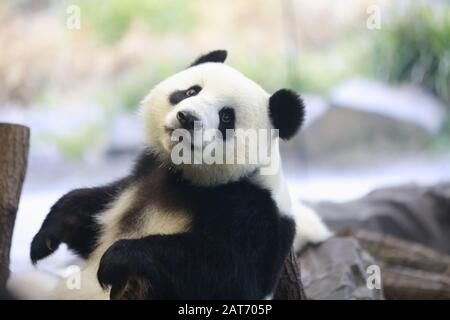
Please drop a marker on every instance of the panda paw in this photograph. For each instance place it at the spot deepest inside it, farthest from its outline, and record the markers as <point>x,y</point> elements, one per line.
<point>119,271</point>
<point>69,221</point>
<point>52,232</point>
<point>44,243</point>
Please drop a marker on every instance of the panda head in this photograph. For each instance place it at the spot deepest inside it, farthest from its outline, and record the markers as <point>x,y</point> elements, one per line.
<point>210,95</point>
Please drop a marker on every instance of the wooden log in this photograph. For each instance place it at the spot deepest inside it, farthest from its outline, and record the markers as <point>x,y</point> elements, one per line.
<point>404,283</point>
<point>394,251</point>
<point>290,285</point>
<point>14,145</point>
<point>409,270</point>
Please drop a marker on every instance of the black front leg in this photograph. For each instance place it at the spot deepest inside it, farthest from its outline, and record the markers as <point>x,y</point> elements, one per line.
<point>127,270</point>
<point>180,266</point>
<point>72,221</point>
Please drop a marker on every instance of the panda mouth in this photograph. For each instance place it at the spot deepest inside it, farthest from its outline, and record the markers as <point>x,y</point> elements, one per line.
<point>169,130</point>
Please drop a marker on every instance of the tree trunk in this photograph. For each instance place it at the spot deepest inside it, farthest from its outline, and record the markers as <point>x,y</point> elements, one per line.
<point>290,285</point>
<point>14,144</point>
<point>409,270</point>
<point>398,252</point>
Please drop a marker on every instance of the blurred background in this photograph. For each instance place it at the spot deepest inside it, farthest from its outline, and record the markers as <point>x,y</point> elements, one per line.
<point>375,76</point>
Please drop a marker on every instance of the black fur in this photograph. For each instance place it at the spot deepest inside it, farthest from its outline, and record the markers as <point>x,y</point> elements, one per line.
<point>286,110</point>
<point>235,247</point>
<point>187,119</point>
<point>214,56</point>
<point>72,221</point>
<point>226,125</point>
<point>179,95</point>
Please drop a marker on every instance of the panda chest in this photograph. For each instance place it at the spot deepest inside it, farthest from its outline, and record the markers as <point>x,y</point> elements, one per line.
<point>148,209</point>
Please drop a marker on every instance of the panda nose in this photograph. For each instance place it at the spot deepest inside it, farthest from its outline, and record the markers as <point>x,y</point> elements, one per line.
<point>186,119</point>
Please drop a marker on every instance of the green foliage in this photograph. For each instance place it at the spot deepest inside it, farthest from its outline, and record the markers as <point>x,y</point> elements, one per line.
<point>414,46</point>
<point>442,143</point>
<point>320,70</point>
<point>111,18</point>
<point>127,92</point>
<point>74,145</point>
<point>312,70</point>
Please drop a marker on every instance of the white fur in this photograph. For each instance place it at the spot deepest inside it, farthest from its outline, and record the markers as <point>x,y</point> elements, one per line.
<point>310,227</point>
<point>276,184</point>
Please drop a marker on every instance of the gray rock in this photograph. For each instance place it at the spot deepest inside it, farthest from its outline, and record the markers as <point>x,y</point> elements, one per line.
<point>337,270</point>
<point>415,213</point>
<point>365,122</point>
<point>406,103</point>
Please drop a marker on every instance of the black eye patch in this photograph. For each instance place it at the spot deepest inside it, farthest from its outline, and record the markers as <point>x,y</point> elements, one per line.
<point>179,95</point>
<point>227,120</point>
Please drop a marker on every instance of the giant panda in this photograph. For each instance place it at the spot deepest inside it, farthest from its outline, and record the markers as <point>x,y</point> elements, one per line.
<point>189,230</point>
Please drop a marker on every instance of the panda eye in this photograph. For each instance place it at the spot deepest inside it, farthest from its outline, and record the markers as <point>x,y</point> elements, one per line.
<point>179,95</point>
<point>225,117</point>
<point>193,91</point>
<point>227,121</point>
<point>190,92</point>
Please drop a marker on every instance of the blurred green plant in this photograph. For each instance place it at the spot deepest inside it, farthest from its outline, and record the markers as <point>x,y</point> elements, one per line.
<point>126,93</point>
<point>319,71</point>
<point>315,71</point>
<point>441,144</point>
<point>414,46</point>
<point>111,19</point>
<point>73,146</point>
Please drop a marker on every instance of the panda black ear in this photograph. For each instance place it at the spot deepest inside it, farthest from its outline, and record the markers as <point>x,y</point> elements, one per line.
<point>213,56</point>
<point>286,111</point>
